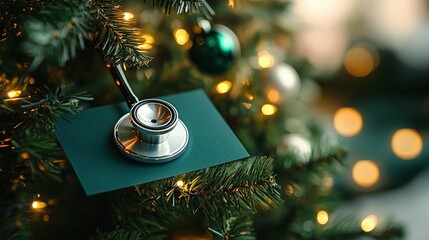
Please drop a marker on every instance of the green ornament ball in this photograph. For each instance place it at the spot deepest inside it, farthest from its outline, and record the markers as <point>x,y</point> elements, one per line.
<point>215,51</point>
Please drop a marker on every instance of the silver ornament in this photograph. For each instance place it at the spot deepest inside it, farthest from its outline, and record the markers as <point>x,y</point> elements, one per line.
<point>296,145</point>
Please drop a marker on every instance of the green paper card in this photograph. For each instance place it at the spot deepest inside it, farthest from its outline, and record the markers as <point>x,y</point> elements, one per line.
<point>88,143</point>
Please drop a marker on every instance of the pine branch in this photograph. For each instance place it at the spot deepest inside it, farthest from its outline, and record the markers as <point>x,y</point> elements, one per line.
<point>118,234</point>
<point>118,39</point>
<point>57,32</point>
<point>326,157</point>
<point>234,227</point>
<point>185,7</point>
<point>239,185</point>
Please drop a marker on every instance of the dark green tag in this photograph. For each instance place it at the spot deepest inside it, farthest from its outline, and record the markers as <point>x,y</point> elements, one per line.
<point>88,142</point>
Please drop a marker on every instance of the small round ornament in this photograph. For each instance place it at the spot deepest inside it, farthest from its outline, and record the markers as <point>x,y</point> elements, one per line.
<point>286,80</point>
<point>296,145</point>
<point>214,50</point>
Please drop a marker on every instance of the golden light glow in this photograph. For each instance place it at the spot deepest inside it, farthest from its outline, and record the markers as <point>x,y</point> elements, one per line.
<point>148,43</point>
<point>368,224</point>
<point>407,143</point>
<point>181,36</point>
<point>265,59</point>
<point>348,122</point>
<point>223,87</point>
<point>361,60</point>
<point>273,95</point>
<point>365,173</point>
<point>322,217</point>
<point>268,109</point>
<point>14,93</point>
<point>46,218</point>
<point>289,189</point>
<point>231,3</point>
<point>38,205</point>
<point>249,96</point>
<point>24,155</point>
<point>180,183</point>
<point>128,16</point>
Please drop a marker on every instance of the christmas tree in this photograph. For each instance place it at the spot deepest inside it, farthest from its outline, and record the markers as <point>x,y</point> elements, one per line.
<point>55,60</point>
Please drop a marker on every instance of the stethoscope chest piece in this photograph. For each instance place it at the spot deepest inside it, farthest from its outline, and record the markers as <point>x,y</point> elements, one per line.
<point>152,132</point>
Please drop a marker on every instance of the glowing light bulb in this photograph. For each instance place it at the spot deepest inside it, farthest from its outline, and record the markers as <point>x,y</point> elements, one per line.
<point>268,109</point>
<point>231,3</point>
<point>38,205</point>
<point>322,217</point>
<point>365,173</point>
<point>369,223</point>
<point>181,36</point>
<point>148,43</point>
<point>180,183</point>
<point>24,155</point>
<point>128,16</point>
<point>223,87</point>
<point>361,60</point>
<point>14,93</point>
<point>407,143</point>
<point>348,122</point>
<point>273,95</point>
<point>265,59</point>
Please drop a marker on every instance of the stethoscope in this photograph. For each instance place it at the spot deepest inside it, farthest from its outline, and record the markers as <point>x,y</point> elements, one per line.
<point>152,131</point>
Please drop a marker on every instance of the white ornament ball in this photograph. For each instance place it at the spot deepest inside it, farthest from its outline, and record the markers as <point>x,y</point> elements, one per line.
<point>286,80</point>
<point>296,145</point>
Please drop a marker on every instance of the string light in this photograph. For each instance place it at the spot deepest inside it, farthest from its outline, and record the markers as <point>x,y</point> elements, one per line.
<point>38,205</point>
<point>407,143</point>
<point>14,93</point>
<point>231,3</point>
<point>24,155</point>
<point>46,218</point>
<point>265,59</point>
<point>273,95</point>
<point>365,173</point>
<point>223,87</point>
<point>268,109</point>
<point>148,43</point>
<point>249,96</point>
<point>181,36</point>
<point>289,189</point>
<point>128,16</point>
<point>368,224</point>
<point>180,184</point>
<point>361,60</point>
<point>348,122</point>
<point>322,217</point>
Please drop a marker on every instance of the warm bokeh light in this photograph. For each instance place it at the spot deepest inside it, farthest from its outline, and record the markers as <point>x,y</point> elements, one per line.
<point>365,173</point>
<point>24,155</point>
<point>368,224</point>
<point>322,217</point>
<point>231,3</point>
<point>128,16</point>
<point>348,122</point>
<point>181,36</point>
<point>361,60</point>
<point>265,59</point>
<point>407,143</point>
<point>149,40</point>
<point>249,96</point>
<point>268,109</point>
<point>273,95</point>
<point>38,205</point>
<point>14,93</point>
<point>180,183</point>
<point>223,87</point>
<point>46,218</point>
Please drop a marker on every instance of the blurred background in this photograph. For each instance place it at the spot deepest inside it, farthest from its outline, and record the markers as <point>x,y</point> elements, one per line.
<point>371,59</point>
